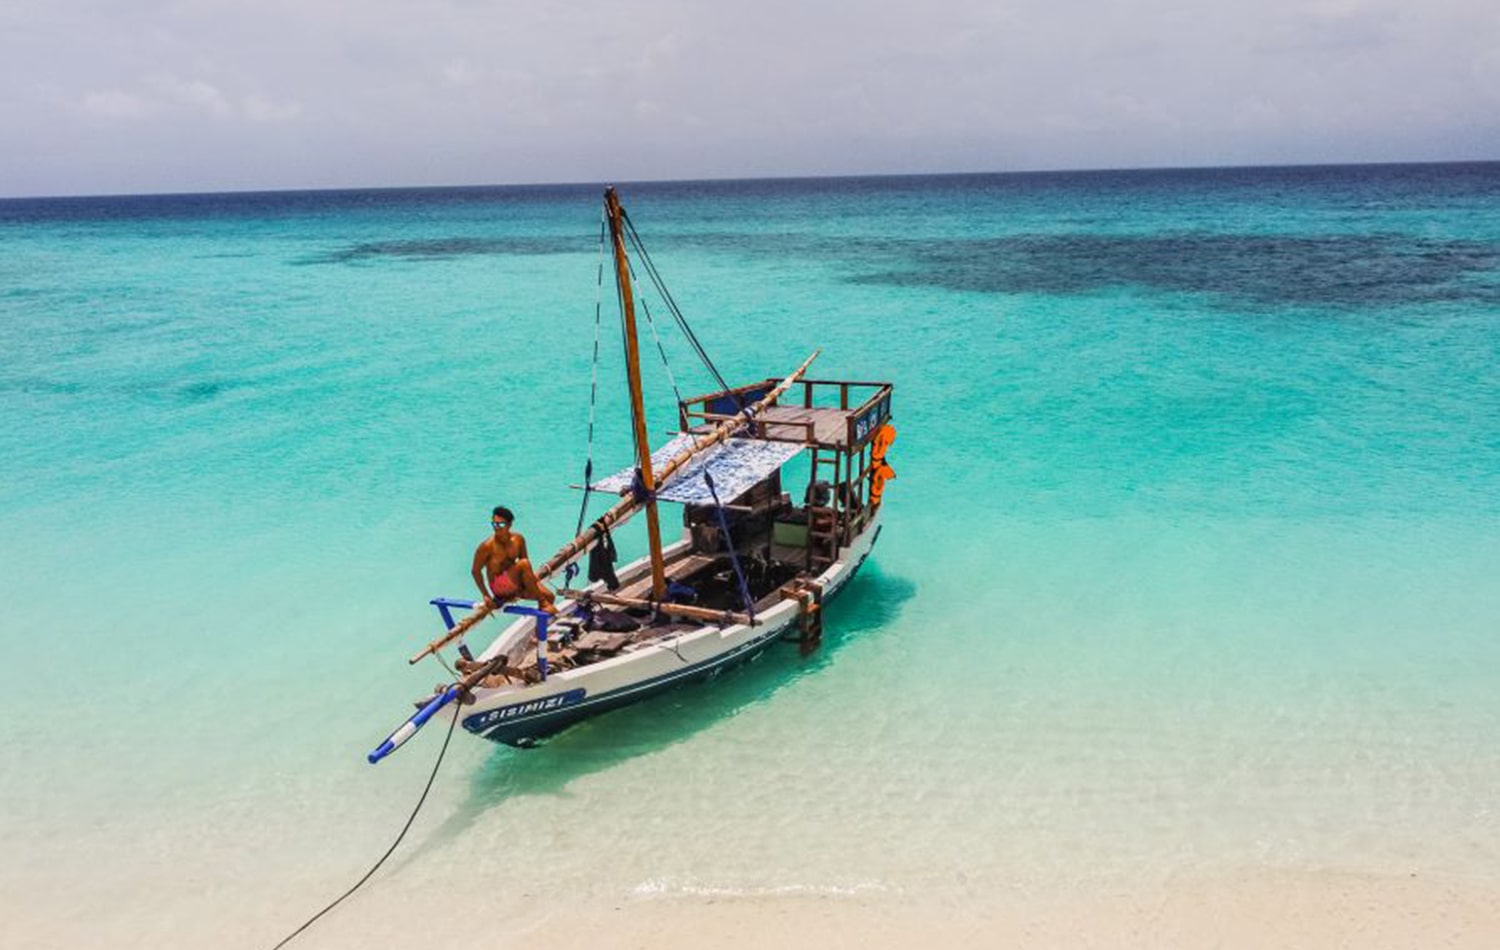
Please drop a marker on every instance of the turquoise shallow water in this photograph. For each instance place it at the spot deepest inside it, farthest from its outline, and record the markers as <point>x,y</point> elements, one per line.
<point>1189,566</point>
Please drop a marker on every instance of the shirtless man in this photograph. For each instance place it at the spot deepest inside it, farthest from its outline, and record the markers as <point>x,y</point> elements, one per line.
<point>502,557</point>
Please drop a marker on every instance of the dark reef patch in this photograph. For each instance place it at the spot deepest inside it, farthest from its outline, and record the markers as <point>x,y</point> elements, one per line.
<point>1327,270</point>
<point>1318,270</point>
<point>433,249</point>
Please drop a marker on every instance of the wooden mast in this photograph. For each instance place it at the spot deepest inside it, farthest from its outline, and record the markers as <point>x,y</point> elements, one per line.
<point>637,402</point>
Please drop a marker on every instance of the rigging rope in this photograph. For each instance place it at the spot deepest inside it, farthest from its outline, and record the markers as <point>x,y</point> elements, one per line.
<point>646,307</point>
<point>571,571</point>
<point>394,844</point>
<point>734,558</point>
<point>676,311</point>
<point>662,350</point>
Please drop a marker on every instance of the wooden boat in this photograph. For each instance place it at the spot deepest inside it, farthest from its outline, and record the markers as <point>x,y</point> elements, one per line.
<point>754,563</point>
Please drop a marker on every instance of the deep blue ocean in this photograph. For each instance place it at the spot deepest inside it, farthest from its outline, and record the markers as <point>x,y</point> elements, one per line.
<point>1189,568</point>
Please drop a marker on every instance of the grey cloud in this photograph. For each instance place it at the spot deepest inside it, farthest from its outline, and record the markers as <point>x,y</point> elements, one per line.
<point>209,94</point>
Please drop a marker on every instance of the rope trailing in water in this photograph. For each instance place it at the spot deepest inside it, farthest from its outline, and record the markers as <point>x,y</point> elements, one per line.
<point>394,844</point>
<point>734,558</point>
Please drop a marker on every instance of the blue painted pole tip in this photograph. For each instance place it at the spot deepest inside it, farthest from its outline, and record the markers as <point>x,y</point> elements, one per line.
<point>410,727</point>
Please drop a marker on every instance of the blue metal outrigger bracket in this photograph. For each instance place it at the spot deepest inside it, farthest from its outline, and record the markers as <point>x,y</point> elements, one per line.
<point>542,619</point>
<point>409,728</point>
<point>444,605</point>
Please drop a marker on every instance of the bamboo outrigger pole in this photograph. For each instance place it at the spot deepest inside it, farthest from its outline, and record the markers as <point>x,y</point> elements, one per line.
<point>627,506</point>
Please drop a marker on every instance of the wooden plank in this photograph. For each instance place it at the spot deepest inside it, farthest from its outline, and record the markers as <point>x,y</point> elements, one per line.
<point>723,617</point>
<point>828,426</point>
<point>843,382</point>
<point>676,571</point>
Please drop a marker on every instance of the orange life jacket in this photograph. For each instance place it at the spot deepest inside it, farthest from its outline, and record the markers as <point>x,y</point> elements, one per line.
<point>880,472</point>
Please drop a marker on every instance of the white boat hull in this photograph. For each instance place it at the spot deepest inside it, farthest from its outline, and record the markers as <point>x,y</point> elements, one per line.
<point>521,714</point>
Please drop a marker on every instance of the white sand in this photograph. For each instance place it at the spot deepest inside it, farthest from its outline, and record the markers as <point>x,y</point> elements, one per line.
<point>1255,911</point>
<point>1280,910</point>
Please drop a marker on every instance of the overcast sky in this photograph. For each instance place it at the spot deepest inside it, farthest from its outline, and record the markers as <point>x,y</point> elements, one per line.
<point>112,96</point>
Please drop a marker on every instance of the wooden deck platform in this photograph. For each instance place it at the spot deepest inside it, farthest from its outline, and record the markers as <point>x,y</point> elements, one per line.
<point>838,415</point>
<point>829,426</point>
<point>818,424</point>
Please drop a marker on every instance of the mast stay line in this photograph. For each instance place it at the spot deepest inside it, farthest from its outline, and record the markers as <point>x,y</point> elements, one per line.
<point>627,506</point>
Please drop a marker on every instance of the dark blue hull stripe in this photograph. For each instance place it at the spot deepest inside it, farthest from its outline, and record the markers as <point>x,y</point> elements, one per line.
<point>540,725</point>
<point>547,723</point>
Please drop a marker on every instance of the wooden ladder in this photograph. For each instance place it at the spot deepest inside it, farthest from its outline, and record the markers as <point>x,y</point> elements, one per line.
<point>809,614</point>
<point>824,529</point>
<point>822,538</point>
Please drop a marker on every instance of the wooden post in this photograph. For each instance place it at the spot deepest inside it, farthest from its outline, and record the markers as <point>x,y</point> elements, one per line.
<point>840,502</point>
<point>859,489</point>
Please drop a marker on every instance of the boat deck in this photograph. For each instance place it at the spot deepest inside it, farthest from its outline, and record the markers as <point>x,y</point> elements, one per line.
<point>809,425</point>
<point>841,415</point>
<point>828,426</point>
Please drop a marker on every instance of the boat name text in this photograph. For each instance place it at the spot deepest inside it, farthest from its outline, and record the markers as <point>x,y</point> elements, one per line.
<point>482,721</point>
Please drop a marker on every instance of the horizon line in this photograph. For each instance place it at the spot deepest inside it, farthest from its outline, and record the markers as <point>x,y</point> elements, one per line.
<point>755,178</point>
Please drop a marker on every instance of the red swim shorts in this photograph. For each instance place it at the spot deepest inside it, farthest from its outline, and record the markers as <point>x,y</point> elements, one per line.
<point>503,586</point>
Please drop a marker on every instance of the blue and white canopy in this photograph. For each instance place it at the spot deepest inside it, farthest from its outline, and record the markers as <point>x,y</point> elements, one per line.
<point>735,464</point>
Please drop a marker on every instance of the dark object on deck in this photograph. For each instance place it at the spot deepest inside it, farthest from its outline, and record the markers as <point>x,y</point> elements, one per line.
<point>602,559</point>
<point>614,621</point>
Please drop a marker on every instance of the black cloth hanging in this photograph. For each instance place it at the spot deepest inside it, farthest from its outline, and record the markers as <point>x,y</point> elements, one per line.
<point>602,558</point>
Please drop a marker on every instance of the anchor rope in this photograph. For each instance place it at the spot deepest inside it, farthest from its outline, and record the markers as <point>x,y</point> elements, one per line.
<point>394,844</point>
